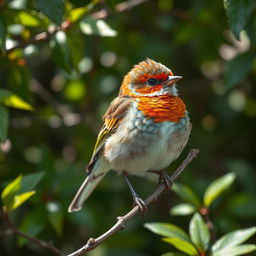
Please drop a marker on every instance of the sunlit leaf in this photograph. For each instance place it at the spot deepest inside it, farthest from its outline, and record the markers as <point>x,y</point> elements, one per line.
<point>237,250</point>
<point>4,122</point>
<point>12,100</point>
<point>54,10</point>
<point>27,19</point>
<point>239,12</point>
<point>9,192</point>
<point>233,239</point>
<point>238,68</point>
<point>182,245</point>
<point>55,216</point>
<point>217,187</point>
<point>167,230</point>
<point>20,199</point>
<point>186,194</point>
<point>90,26</point>
<point>182,209</point>
<point>199,232</point>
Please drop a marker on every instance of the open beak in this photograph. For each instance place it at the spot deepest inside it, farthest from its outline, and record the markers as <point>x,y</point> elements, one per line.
<point>172,80</point>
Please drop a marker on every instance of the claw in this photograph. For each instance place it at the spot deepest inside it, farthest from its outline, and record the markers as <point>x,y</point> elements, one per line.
<point>165,179</point>
<point>141,204</point>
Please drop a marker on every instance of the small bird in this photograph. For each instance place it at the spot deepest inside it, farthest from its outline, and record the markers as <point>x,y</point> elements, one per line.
<point>145,129</point>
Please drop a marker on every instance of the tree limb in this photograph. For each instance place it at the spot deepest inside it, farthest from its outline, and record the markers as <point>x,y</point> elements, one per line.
<point>92,243</point>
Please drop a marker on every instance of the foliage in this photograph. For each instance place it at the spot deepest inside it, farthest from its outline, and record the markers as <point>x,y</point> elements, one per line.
<point>199,241</point>
<point>61,64</point>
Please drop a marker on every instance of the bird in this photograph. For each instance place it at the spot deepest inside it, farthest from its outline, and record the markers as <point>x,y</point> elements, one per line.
<point>145,128</point>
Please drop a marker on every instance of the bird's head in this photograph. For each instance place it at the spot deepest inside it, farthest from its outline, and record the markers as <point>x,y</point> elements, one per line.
<point>149,78</point>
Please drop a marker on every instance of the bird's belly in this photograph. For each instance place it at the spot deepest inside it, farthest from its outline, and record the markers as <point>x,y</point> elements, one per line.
<point>145,145</point>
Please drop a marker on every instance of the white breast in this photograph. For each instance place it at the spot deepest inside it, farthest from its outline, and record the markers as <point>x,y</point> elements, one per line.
<point>140,145</point>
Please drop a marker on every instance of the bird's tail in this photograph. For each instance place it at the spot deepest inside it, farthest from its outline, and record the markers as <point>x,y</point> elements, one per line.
<point>97,173</point>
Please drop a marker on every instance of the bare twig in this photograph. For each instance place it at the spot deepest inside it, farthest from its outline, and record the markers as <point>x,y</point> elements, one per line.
<point>37,241</point>
<point>121,221</point>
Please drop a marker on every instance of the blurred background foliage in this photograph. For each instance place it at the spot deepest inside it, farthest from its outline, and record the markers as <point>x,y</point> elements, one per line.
<point>62,63</point>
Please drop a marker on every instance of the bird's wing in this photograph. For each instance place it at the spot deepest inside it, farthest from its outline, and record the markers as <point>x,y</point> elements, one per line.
<point>115,113</point>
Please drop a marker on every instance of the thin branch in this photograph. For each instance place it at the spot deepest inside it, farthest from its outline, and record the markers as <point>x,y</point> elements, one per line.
<point>92,243</point>
<point>37,241</point>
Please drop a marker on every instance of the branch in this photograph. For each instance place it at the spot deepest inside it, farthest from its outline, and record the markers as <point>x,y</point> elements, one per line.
<point>92,243</point>
<point>37,241</point>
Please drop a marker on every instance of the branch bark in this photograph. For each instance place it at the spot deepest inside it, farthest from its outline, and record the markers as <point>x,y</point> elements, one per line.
<point>92,243</point>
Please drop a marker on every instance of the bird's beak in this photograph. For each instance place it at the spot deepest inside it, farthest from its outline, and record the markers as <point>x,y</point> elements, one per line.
<point>172,80</point>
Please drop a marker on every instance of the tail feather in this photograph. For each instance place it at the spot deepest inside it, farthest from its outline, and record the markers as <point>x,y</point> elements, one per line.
<point>97,173</point>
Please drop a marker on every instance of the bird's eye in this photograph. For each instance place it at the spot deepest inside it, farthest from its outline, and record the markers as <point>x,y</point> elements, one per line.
<point>152,81</point>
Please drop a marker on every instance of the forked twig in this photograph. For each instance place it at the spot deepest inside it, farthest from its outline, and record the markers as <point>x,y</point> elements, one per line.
<point>92,243</point>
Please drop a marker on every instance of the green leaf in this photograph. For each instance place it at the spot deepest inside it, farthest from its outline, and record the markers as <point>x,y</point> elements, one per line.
<point>20,199</point>
<point>75,90</point>
<point>30,181</point>
<point>54,10</point>
<point>182,245</point>
<point>27,19</point>
<point>4,122</point>
<point>237,250</point>
<point>186,194</point>
<point>12,100</point>
<point>173,254</point>
<point>182,209</point>
<point>168,230</point>
<point>238,68</point>
<point>2,33</point>
<point>55,216</point>
<point>217,187</point>
<point>10,191</point>
<point>199,232</point>
<point>90,26</point>
<point>239,12</point>
<point>233,239</point>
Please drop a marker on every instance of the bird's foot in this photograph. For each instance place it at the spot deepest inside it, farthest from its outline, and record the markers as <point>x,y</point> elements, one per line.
<point>141,204</point>
<point>164,178</point>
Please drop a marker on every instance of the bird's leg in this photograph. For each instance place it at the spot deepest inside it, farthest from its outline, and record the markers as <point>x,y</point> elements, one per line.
<point>136,198</point>
<point>164,178</point>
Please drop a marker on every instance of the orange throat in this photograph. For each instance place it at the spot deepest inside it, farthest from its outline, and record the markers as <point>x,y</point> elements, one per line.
<point>162,108</point>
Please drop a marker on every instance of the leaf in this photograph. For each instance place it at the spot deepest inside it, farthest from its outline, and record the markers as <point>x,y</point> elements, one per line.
<point>237,250</point>
<point>9,192</point>
<point>182,209</point>
<point>27,19</point>
<point>182,245</point>
<point>20,199</point>
<point>90,26</point>
<point>54,10</point>
<point>217,187</point>
<point>233,239</point>
<point>199,232</point>
<point>4,122</point>
<point>30,181</point>
<point>186,194</point>
<point>238,12</point>
<point>173,254</point>
<point>238,68</point>
<point>55,216</point>
<point>167,230</point>
<point>2,33</point>
<point>12,100</point>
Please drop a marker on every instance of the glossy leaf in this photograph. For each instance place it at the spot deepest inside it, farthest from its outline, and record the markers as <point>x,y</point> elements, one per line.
<point>4,122</point>
<point>182,209</point>
<point>30,181</point>
<point>199,232</point>
<point>9,192</point>
<point>54,10</point>
<point>182,245</point>
<point>238,68</point>
<point>237,250</point>
<point>186,194</point>
<point>20,199</point>
<point>239,12</point>
<point>12,100</point>
<point>233,239</point>
<point>217,187</point>
<point>90,26</point>
<point>167,230</point>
